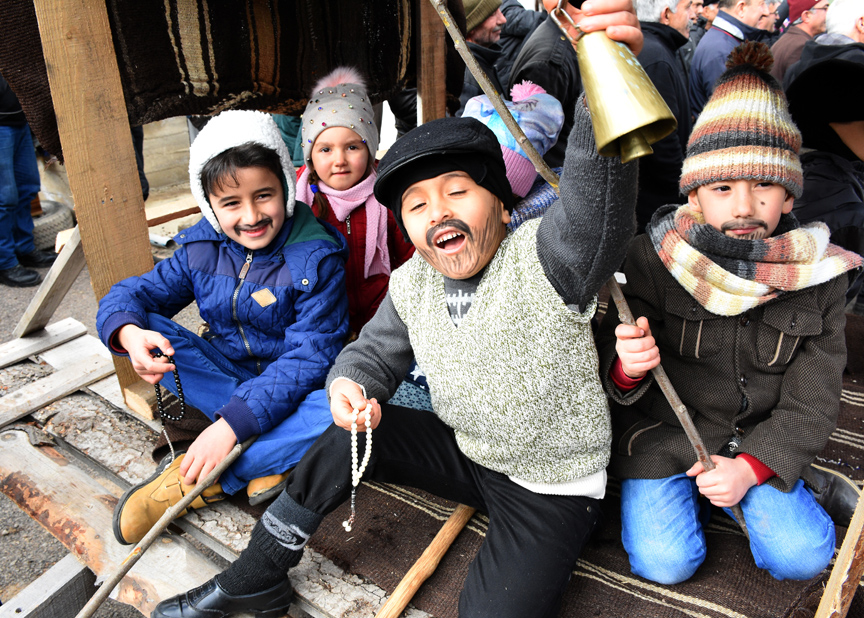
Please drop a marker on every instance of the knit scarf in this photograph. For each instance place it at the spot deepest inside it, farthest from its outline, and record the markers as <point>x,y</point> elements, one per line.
<point>376,260</point>
<point>728,276</point>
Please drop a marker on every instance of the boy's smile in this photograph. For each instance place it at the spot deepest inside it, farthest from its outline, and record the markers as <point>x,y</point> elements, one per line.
<point>250,206</point>
<point>340,158</point>
<point>456,224</point>
<point>745,209</point>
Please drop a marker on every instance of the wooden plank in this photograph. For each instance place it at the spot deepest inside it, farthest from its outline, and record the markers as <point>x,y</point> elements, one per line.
<point>431,68</point>
<point>194,210</point>
<point>52,335</point>
<point>141,399</point>
<point>60,592</point>
<point>76,509</point>
<point>54,287</point>
<point>91,114</point>
<point>847,571</point>
<point>51,388</point>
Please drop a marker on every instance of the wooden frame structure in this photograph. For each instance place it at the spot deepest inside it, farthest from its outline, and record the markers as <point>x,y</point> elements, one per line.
<point>93,126</point>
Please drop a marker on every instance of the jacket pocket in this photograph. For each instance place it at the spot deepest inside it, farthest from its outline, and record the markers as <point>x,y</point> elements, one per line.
<point>691,330</point>
<point>782,330</point>
<point>636,431</point>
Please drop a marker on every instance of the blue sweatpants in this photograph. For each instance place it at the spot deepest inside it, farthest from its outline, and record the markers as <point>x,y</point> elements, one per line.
<point>209,379</point>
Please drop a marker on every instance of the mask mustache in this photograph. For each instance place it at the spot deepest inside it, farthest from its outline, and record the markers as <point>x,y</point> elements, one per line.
<point>738,224</point>
<point>456,224</point>
<point>244,228</point>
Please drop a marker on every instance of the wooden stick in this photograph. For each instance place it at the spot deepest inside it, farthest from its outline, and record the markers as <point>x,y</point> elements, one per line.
<point>427,563</point>
<point>617,295</point>
<point>848,567</point>
<point>158,528</point>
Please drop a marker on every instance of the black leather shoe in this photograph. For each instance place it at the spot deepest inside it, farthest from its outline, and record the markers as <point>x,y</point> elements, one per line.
<point>834,492</point>
<point>20,277</point>
<point>37,259</point>
<point>211,601</point>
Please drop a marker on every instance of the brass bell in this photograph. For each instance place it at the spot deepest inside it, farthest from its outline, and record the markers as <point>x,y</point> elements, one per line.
<point>627,112</point>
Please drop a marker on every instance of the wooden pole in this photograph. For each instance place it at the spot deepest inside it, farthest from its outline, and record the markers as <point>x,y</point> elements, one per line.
<point>97,144</point>
<point>431,66</point>
<point>848,568</point>
<point>427,563</point>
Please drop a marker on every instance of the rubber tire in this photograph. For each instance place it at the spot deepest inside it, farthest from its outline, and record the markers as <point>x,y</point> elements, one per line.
<point>55,218</point>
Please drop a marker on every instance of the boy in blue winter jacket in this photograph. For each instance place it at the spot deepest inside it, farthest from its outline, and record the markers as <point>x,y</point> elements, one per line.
<point>269,279</point>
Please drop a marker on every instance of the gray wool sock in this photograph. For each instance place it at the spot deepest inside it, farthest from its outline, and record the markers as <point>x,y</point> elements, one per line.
<point>276,545</point>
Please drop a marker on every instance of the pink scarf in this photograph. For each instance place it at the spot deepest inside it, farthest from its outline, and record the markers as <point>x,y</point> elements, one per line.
<point>343,203</point>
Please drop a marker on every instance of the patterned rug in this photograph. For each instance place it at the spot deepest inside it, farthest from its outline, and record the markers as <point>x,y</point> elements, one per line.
<point>396,524</point>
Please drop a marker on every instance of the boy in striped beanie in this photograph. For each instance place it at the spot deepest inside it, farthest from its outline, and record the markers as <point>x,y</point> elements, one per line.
<point>746,309</point>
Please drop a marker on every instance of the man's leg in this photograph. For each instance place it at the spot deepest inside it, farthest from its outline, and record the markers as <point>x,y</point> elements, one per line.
<point>28,182</point>
<point>791,536</point>
<point>8,197</point>
<point>660,528</point>
<point>529,553</point>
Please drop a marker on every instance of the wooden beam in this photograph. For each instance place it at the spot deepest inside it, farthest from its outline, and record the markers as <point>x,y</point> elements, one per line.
<point>60,592</point>
<point>848,568</point>
<point>431,65</point>
<point>97,144</point>
<point>60,332</point>
<point>51,388</point>
<point>51,293</point>
<point>77,509</point>
<point>141,399</point>
<point>173,215</point>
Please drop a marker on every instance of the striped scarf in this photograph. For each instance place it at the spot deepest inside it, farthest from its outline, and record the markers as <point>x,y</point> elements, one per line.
<point>728,276</point>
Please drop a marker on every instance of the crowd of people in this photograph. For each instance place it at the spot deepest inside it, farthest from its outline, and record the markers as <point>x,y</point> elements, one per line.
<point>422,298</point>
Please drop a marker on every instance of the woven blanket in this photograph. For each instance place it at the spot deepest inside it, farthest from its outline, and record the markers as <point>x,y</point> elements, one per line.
<point>192,57</point>
<point>395,524</point>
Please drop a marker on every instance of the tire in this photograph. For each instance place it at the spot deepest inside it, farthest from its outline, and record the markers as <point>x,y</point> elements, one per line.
<point>55,218</point>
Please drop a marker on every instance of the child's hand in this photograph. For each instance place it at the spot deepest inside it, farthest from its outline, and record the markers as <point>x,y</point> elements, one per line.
<point>345,396</point>
<point>208,449</point>
<point>726,484</point>
<point>617,17</point>
<point>140,343</point>
<point>636,348</point>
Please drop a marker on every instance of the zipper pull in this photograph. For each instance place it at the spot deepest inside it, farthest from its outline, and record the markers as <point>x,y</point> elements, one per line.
<point>348,223</point>
<point>246,266</point>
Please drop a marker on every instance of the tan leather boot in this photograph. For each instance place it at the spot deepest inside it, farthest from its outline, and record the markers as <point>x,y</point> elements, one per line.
<point>266,487</point>
<point>142,506</point>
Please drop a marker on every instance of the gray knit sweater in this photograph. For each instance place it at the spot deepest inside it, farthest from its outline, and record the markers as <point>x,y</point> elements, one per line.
<point>578,245</point>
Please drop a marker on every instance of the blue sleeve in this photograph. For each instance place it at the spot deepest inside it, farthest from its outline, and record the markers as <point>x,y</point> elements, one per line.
<point>312,342</point>
<point>165,290</point>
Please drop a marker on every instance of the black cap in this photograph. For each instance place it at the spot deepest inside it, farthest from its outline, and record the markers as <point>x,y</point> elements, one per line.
<point>436,147</point>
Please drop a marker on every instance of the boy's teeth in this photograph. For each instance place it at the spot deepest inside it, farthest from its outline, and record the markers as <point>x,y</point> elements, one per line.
<point>447,237</point>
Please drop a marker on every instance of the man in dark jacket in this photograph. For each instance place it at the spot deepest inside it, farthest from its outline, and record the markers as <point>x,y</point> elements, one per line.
<point>521,22</point>
<point>19,184</point>
<point>735,22</point>
<point>705,13</point>
<point>665,26</point>
<point>808,20</point>
<point>832,69</point>
<point>484,21</point>
<point>549,60</point>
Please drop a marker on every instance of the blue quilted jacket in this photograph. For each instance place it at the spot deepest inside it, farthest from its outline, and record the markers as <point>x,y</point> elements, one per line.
<point>290,343</point>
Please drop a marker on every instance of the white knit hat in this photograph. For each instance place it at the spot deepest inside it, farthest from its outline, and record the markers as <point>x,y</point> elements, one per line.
<point>228,130</point>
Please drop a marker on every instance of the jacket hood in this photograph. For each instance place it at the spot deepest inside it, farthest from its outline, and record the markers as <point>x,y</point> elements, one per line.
<point>228,130</point>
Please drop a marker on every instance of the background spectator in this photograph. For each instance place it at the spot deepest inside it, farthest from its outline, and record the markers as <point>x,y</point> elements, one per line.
<point>808,20</point>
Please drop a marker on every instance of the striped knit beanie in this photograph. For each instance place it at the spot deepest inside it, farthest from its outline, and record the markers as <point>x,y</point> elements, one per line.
<point>745,130</point>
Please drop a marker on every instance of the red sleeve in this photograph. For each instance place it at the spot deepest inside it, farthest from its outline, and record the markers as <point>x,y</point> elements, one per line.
<point>763,472</point>
<point>622,380</point>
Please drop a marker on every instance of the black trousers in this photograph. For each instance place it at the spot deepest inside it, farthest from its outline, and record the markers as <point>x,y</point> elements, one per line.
<point>532,542</point>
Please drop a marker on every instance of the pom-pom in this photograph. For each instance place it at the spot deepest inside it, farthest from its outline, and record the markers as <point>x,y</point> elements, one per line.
<point>340,75</point>
<point>756,54</point>
<point>525,89</point>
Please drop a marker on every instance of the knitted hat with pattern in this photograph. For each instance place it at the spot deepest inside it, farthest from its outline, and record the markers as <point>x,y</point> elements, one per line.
<point>476,11</point>
<point>539,115</point>
<point>339,100</point>
<point>229,130</point>
<point>745,130</point>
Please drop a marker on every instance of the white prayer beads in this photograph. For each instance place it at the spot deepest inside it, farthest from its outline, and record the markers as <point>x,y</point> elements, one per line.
<point>358,470</point>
